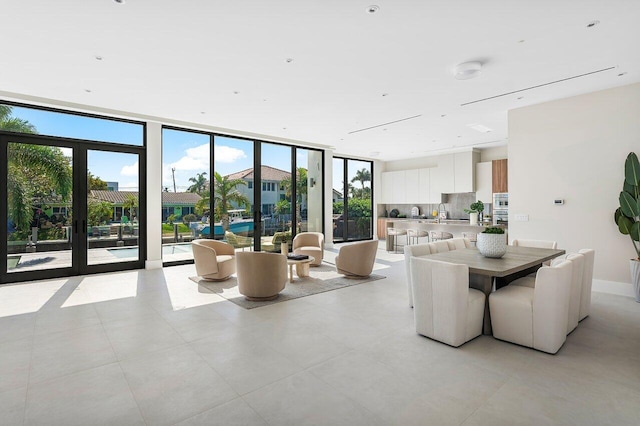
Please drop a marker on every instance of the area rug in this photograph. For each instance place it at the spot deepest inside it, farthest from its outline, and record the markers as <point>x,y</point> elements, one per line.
<point>322,278</point>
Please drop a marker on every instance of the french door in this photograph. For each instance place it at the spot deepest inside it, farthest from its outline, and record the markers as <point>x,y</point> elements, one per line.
<point>58,215</point>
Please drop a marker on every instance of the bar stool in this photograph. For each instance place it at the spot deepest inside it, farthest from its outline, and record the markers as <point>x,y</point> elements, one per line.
<point>471,236</point>
<point>414,235</point>
<point>395,233</point>
<point>441,235</point>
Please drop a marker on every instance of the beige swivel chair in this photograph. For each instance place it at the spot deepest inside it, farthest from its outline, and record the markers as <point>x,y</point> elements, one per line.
<point>534,317</point>
<point>587,281</point>
<point>357,259</point>
<point>214,260</point>
<point>261,275</point>
<point>311,244</point>
<point>444,307</point>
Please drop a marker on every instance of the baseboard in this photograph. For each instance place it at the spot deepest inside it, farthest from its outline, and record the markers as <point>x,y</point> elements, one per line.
<point>153,264</point>
<point>612,287</point>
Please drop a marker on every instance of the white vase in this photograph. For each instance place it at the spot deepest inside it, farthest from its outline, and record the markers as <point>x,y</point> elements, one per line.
<point>473,219</point>
<point>635,278</point>
<point>492,245</point>
<point>284,248</point>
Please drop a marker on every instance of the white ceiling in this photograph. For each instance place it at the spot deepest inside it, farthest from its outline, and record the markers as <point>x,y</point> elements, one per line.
<point>183,60</point>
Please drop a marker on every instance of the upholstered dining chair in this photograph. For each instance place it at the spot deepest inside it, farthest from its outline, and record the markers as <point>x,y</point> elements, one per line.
<point>214,260</point>
<point>311,244</point>
<point>356,260</point>
<point>535,243</point>
<point>261,275</point>
<point>414,250</point>
<point>444,307</point>
<point>534,317</point>
<point>587,281</point>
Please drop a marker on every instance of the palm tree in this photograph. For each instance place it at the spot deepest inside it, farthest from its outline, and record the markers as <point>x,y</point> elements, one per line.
<point>130,203</point>
<point>301,188</point>
<point>225,193</point>
<point>362,176</point>
<point>199,183</point>
<point>33,170</point>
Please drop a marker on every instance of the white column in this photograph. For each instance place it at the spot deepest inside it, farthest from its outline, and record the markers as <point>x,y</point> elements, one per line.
<point>154,196</point>
<point>328,198</point>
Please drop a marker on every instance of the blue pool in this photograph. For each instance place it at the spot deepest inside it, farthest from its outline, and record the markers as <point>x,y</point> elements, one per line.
<point>167,249</point>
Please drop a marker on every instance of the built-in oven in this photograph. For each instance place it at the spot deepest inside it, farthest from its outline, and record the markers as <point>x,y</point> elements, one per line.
<point>500,208</point>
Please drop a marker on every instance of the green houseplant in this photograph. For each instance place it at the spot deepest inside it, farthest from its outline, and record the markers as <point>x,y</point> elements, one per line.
<point>627,216</point>
<point>492,242</point>
<point>474,210</point>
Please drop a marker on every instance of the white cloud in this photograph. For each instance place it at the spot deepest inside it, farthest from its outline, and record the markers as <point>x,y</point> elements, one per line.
<point>196,159</point>
<point>130,170</point>
<point>227,154</point>
<point>67,152</point>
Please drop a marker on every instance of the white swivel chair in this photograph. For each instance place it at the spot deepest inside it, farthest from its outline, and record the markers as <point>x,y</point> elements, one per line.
<point>534,317</point>
<point>415,250</point>
<point>444,307</point>
<point>311,244</point>
<point>587,281</point>
<point>214,260</point>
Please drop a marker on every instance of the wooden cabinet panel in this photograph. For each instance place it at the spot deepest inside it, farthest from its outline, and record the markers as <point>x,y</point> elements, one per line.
<point>500,176</point>
<point>382,229</point>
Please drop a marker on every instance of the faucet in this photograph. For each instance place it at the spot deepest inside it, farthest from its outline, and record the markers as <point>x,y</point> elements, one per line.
<point>441,210</point>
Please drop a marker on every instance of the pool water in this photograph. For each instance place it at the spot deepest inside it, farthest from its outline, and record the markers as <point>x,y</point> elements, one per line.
<point>167,249</point>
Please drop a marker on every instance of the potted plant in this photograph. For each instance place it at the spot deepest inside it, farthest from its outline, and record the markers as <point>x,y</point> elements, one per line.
<point>627,216</point>
<point>473,210</point>
<point>492,242</point>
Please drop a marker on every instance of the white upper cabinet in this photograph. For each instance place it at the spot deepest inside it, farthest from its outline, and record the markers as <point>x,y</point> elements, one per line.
<point>464,171</point>
<point>399,187</point>
<point>483,182</point>
<point>424,176</point>
<point>387,185</point>
<point>444,175</point>
<point>412,184</point>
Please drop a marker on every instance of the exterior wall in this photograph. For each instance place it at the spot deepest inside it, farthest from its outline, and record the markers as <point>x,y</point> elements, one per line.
<point>574,149</point>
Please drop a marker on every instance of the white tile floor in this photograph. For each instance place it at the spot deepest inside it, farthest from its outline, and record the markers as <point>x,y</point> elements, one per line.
<point>150,347</point>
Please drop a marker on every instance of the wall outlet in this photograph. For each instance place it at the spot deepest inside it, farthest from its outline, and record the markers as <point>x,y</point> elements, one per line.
<point>521,217</point>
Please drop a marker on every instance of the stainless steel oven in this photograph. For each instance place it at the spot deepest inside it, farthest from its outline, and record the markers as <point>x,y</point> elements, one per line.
<point>500,208</point>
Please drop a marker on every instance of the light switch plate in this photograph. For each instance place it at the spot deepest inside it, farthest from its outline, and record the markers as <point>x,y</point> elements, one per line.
<point>521,217</point>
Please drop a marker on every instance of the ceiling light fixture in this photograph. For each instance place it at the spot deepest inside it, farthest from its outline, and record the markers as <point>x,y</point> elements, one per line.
<point>98,58</point>
<point>119,1</point>
<point>235,92</point>
<point>385,94</point>
<point>592,24</point>
<point>289,60</point>
<point>622,73</point>
<point>373,9</point>
<point>467,70</point>
<point>480,128</point>
<point>87,90</point>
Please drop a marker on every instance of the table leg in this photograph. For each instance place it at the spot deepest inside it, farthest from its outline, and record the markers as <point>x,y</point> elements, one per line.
<point>302,269</point>
<point>290,273</point>
<point>483,283</point>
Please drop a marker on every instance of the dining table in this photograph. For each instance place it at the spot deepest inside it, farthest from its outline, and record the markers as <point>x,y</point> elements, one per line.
<point>517,262</point>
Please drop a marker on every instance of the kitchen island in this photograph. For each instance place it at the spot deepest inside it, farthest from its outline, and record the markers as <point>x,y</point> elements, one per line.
<point>456,227</point>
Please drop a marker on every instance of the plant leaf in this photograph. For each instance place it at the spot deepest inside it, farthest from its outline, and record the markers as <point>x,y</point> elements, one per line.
<point>624,225</point>
<point>635,231</point>
<point>631,189</point>
<point>617,215</point>
<point>628,205</point>
<point>632,169</point>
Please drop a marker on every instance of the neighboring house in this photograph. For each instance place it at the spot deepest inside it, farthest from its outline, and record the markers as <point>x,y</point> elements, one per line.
<point>112,186</point>
<point>337,196</point>
<point>173,203</point>
<point>272,189</point>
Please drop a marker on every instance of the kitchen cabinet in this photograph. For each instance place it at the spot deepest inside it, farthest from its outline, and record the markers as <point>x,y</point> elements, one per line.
<point>484,189</point>
<point>445,174</point>
<point>399,187</point>
<point>464,177</point>
<point>499,176</point>
<point>387,187</point>
<point>424,176</point>
<point>412,185</point>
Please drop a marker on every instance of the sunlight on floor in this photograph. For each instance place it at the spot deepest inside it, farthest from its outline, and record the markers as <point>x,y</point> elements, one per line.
<point>102,288</point>
<point>27,297</point>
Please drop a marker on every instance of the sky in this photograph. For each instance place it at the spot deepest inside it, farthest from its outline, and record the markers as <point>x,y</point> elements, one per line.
<point>186,152</point>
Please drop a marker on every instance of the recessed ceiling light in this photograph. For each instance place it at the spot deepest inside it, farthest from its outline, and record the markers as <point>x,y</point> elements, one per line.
<point>385,94</point>
<point>467,70</point>
<point>443,115</point>
<point>87,90</point>
<point>289,60</point>
<point>202,112</point>
<point>98,58</point>
<point>521,41</point>
<point>373,8</point>
<point>284,128</point>
<point>235,92</point>
<point>520,97</point>
<point>384,130</point>
<point>592,24</point>
<point>459,136</point>
<point>622,73</point>
<point>119,1</point>
<point>480,128</point>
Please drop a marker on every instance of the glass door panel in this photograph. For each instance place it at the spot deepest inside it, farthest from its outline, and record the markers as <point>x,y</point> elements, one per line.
<point>359,214</point>
<point>233,183</point>
<point>339,229</point>
<point>113,222</point>
<point>276,192</point>
<point>39,207</point>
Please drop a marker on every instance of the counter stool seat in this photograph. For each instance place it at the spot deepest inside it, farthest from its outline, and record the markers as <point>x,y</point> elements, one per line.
<point>414,235</point>
<point>440,235</point>
<point>395,233</point>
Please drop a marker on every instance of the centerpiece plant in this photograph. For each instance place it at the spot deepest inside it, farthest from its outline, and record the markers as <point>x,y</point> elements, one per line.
<point>474,210</point>
<point>492,242</point>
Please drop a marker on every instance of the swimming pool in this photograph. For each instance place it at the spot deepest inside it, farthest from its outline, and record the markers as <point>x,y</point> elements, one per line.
<point>167,249</point>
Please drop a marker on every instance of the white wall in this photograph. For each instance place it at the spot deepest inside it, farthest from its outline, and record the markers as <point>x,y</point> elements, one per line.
<point>575,149</point>
<point>154,195</point>
<point>495,153</point>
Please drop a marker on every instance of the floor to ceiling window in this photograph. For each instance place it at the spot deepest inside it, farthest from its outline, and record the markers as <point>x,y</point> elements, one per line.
<point>352,199</point>
<point>73,198</point>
